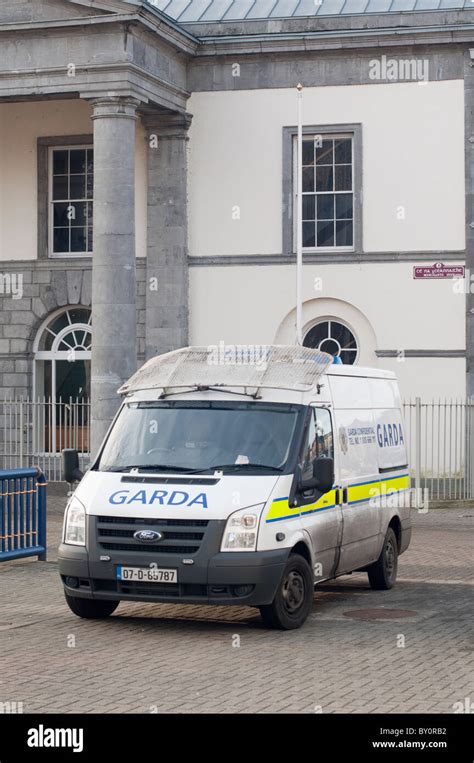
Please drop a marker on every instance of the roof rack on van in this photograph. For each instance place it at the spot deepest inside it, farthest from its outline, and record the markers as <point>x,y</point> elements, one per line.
<point>249,366</point>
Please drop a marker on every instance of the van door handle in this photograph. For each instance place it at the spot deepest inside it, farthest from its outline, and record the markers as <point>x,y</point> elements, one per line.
<point>338,496</point>
<point>345,495</point>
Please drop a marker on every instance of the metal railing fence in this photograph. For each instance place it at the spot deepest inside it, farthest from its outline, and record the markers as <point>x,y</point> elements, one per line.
<point>34,432</point>
<point>440,439</point>
<point>22,513</point>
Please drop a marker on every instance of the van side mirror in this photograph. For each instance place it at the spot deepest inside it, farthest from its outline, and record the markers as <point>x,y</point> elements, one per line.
<point>324,473</point>
<point>323,476</point>
<point>71,471</point>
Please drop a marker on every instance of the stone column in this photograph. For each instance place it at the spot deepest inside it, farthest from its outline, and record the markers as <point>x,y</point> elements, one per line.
<point>167,252</point>
<point>113,262</point>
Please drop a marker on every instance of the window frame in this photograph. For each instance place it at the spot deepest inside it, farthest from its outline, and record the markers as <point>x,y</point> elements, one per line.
<point>332,319</point>
<point>53,355</point>
<point>353,131</point>
<point>312,416</point>
<point>44,181</point>
<point>51,253</point>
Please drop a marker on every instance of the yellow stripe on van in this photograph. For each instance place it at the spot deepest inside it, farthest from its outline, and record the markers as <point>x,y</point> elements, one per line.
<point>359,493</point>
<point>374,488</point>
<point>280,509</point>
<point>327,501</point>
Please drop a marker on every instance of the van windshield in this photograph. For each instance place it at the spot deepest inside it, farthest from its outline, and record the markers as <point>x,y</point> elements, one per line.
<point>188,436</point>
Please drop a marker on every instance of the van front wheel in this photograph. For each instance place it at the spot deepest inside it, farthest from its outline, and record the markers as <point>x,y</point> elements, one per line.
<point>91,609</point>
<point>294,597</point>
<point>383,573</point>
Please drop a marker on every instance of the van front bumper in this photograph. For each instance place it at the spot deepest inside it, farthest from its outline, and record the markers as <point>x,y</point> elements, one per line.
<point>245,578</point>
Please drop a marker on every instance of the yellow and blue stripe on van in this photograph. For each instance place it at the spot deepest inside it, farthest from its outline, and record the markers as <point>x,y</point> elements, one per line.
<point>360,492</point>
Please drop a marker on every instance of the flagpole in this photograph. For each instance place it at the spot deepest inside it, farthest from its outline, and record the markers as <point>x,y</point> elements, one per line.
<point>299,219</point>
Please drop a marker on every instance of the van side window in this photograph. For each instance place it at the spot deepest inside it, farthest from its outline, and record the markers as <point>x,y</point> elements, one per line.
<point>318,441</point>
<point>324,437</point>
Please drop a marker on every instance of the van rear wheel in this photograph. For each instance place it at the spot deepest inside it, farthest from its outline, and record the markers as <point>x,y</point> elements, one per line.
<point>383,573</point>
<point>294,597</point>
<point>91,609</point>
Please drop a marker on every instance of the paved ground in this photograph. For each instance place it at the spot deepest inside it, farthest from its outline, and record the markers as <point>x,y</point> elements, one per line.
<point>161,658</point>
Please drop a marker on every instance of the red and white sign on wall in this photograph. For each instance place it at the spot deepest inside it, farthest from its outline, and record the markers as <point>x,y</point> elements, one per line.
<point>438,270</point>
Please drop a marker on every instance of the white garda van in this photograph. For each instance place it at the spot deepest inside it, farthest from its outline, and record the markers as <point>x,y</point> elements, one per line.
<point>239,484</point>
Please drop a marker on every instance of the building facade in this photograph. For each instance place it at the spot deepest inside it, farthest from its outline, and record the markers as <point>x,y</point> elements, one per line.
<point>148,183</point>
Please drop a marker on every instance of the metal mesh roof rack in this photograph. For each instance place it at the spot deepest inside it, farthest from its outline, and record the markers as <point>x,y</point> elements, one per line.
<point>249,366</point>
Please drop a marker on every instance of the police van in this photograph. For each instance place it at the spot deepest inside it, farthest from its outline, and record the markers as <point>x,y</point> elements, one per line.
<point>245,482</point>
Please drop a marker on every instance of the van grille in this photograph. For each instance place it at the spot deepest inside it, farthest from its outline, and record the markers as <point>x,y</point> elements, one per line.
<point>180,536</point>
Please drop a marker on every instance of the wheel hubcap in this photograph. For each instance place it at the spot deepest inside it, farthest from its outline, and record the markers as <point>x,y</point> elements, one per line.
<point>293,591</point>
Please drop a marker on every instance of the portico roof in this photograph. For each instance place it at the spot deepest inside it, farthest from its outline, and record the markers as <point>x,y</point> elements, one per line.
<point>194,11</point>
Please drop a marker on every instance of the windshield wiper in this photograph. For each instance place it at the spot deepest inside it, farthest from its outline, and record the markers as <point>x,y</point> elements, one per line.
<point>221,467</point>
<point>187,470</point>
<point>151,467</point>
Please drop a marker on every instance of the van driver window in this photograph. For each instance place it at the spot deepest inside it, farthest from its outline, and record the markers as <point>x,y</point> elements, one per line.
<point>324,439</point>
<point>319,440</point>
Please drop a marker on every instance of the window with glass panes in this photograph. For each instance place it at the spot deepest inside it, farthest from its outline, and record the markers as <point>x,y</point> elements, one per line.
<point>328,195</point>
<point>71,192</point>
<point>334,338</point>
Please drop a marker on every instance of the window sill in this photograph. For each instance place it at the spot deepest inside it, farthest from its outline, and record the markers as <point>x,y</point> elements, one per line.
<point>329,250</point>
<point>70,256</point>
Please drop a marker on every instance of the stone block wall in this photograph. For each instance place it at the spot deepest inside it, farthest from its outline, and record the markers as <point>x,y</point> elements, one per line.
<point>29,292</point>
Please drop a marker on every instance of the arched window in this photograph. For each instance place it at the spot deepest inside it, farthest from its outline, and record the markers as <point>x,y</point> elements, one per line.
<point>335,338</point>
<point>62,367</point>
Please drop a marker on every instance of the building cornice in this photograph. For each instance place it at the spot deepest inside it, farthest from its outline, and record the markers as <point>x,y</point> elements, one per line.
<point>325,22</point>
<point>326,258</point>
<point>432,353</point>
<point>168,31</point>
<point>94,81</point>
<point>336,40</point>
<point>279,35</point>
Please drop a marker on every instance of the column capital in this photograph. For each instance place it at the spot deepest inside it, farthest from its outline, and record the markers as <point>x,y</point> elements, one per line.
<point>122,107</point>
<point>168,125</point>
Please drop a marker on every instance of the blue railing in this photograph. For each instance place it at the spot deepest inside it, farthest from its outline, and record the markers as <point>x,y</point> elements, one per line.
<point>22,513</point>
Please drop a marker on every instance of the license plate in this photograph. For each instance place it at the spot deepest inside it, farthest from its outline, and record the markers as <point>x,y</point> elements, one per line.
<point>147,574</point>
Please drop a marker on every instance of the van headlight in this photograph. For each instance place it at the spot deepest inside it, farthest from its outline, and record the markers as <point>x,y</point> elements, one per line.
<point>75,523</point>
<point>241,530</point>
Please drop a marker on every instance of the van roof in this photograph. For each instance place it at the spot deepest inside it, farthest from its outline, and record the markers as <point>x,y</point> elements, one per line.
<point>368,373</point>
